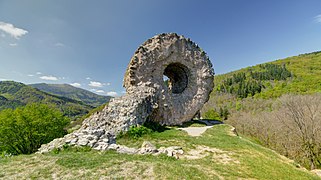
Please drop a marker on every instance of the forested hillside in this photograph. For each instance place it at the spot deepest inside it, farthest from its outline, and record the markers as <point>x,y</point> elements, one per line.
<point>275,103</point>
<point>72,92</point>
<point>14,94</point>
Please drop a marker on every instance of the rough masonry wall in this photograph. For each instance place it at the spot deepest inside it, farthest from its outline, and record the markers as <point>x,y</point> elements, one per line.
<point>188,67</point>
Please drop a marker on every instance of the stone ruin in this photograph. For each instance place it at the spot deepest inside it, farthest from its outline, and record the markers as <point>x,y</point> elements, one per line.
<point>177,99</point>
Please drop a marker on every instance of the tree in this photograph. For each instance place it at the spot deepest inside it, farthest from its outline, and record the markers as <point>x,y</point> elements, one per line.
<point>301,116</point>
<point>25,129</point>
<point>224,113</point>
<point>292,126</point>
<point>211,114</point>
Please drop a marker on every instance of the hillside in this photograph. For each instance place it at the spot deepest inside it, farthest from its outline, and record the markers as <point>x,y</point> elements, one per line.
<point>217,154</point>
<point>294,75</point>
<point>275,103</point>
<point>299,74</point>
<point>14,94</point>
<point>72,92</point>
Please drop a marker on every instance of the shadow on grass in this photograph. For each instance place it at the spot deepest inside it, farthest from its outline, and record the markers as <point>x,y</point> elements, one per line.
<point>211,122</point>
<point>156,127</point>
<point>200,123</point>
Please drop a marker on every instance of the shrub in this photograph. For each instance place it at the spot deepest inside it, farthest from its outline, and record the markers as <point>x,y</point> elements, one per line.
<point>135,132</point>
<point>211,114</point>
<point>155,126</point>
<point>224,113</point>
<point>138,131</point>
<point>24,129</point>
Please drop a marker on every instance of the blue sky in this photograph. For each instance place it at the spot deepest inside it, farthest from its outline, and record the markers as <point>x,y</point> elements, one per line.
<point>89,43</point>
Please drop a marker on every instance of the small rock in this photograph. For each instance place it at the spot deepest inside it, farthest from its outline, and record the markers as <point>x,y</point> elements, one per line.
<point>73,141</point>
<point>126,150</point>
<point>105,140</point>
<point>148,148</point>
<point>90,137</point>
<point>83,142</point>
<point>100,146</point>
<point>113,147</point>
<point>92,143</point>
<point>98,132</point>
<point>173,151</point>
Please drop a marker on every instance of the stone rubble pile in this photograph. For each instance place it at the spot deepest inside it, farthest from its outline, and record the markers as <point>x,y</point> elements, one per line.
<point>100,130</point>
<point>148,148</point>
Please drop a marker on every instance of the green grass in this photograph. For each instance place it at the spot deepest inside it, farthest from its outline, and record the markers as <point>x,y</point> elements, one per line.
<point>7,95</point>
<point>245,160</point>
<point>193,123</point>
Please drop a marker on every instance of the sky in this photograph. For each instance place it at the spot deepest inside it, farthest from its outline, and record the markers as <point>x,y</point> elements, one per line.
<point>88,44</point>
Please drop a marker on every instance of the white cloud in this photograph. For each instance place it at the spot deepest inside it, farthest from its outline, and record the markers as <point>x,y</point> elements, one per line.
<point>49,78</point>
<point>97,91</point>
<point>13,44</point>
<point>108,84</point>
<point>318,18</point>
<point>38,73</point>
<point>100,91</point>
<point>95,84</point>
<point>30,75</point>
<point>59,44</point>
<point>112,93</point>
<point>76,84</point>
<point>13,31</point>
<point>88,78</point>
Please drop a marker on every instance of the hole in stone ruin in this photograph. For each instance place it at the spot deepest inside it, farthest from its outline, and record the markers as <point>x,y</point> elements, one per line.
<point>166,80</point>
<point>176,77</point>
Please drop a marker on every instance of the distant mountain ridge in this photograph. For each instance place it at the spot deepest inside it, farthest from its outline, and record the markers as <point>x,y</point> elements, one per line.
<point>15,94</point>
<point>72,92</point>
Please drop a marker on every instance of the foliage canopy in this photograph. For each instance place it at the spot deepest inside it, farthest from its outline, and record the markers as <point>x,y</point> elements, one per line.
<point>24,129</point>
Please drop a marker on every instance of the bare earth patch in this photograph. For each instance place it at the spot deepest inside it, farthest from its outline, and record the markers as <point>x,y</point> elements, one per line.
<point>317,172</point>
<point>223,157</point>
<point>232,132</point>
<point>195,131</point>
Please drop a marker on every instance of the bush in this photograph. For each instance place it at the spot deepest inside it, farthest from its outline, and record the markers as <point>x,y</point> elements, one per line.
<point>135,132</point>
<point>138,131</point>
<point>25,129</point>
<point>224,113</point>
<point>155,126</point>
<point>211,114</point>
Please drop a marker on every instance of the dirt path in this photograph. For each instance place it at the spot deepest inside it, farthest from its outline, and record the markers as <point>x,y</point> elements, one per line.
<point>197,131</point>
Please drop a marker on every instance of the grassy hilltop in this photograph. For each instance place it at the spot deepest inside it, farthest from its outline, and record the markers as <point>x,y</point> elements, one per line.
<point>217,154</point>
